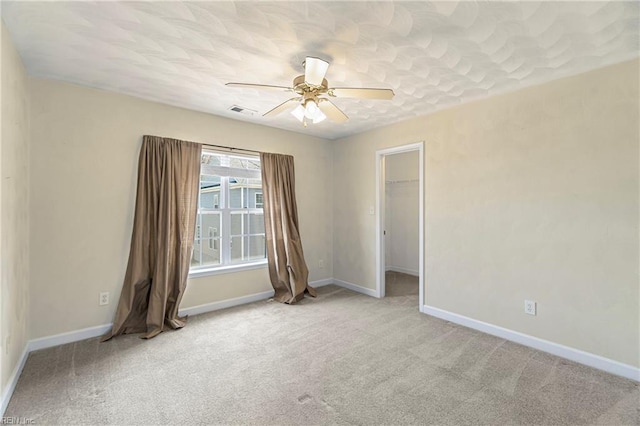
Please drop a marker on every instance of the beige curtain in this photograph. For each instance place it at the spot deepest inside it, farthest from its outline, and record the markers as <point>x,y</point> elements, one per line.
<point>287,269</point>
<point>162,239</point>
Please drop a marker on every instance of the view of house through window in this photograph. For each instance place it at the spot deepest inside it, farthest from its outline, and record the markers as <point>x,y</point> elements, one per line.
<point>230,221</point>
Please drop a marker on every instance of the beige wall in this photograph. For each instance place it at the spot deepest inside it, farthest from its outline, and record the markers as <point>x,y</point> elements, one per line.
<point>14,222</point>
<point>402,212</point>
<point>529,195</point>
<point>85,146</point>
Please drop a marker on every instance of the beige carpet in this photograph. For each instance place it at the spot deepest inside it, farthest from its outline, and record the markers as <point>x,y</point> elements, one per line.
<point>342,358</point>
<point>398,285</point>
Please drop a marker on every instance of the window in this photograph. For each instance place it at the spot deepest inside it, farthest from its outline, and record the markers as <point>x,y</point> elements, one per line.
<point>230,221</point>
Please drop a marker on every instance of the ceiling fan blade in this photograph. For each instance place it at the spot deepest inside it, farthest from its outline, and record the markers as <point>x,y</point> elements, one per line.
<point>330,110</point>
<point>362,93</point>
<point>282,107</point>
<point>259,86</point>
<point>315,70</point>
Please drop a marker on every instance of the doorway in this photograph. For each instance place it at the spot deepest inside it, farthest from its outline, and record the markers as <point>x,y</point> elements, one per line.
<point>400,224</point>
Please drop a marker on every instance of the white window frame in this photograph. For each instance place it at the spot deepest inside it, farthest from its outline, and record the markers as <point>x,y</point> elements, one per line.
<point>224,234</point>
<point>255,200</point>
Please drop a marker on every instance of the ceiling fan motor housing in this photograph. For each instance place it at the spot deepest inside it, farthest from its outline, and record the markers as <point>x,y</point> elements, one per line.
<point>301,87</point>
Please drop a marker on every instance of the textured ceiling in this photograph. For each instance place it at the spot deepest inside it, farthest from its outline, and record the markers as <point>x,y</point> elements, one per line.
<point>432,54</point>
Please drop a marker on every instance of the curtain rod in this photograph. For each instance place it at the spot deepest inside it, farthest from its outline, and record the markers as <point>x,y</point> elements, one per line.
<point>230,148</point>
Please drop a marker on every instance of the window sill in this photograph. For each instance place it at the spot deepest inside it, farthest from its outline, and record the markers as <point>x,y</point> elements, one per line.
<point>217,270</point>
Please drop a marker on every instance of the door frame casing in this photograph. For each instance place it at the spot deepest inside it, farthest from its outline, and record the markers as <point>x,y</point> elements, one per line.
<point>380,225</point>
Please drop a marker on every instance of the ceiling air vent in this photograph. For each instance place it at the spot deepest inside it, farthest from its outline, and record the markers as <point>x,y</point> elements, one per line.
<point>242,110</point>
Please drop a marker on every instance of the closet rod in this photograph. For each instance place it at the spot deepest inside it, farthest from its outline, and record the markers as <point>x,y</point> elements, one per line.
<point>230,148</point>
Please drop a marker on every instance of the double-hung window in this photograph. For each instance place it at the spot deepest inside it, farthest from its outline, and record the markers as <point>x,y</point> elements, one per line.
<point>230,223</point>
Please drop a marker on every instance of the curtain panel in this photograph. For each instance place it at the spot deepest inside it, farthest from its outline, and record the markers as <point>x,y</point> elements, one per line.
<point>162,237</point>
<point>288,271</point>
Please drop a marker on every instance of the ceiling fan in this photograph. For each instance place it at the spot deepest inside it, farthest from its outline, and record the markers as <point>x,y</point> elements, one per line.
<point>309,105</point>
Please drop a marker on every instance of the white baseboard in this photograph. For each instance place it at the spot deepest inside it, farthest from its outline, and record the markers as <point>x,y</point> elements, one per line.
<point>68,337</point>
<point>227,303</point>
<point>7,392</point>
<point>321,283</point>
<point>586,358</point>
<point>403,270</point>
<point>243,300</point>
<point>355,287</point>
<point>87,333</point>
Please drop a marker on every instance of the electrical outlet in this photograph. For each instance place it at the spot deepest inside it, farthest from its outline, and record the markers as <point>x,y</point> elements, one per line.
<point>529,307</point>
<point>372,210</point>
<point>321,264</point>
<point>104,298</point>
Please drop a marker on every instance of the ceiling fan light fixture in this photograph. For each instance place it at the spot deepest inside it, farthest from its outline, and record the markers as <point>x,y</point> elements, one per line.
<point>319,117</point>
<point>298,112</point>
<point>311,109</point>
